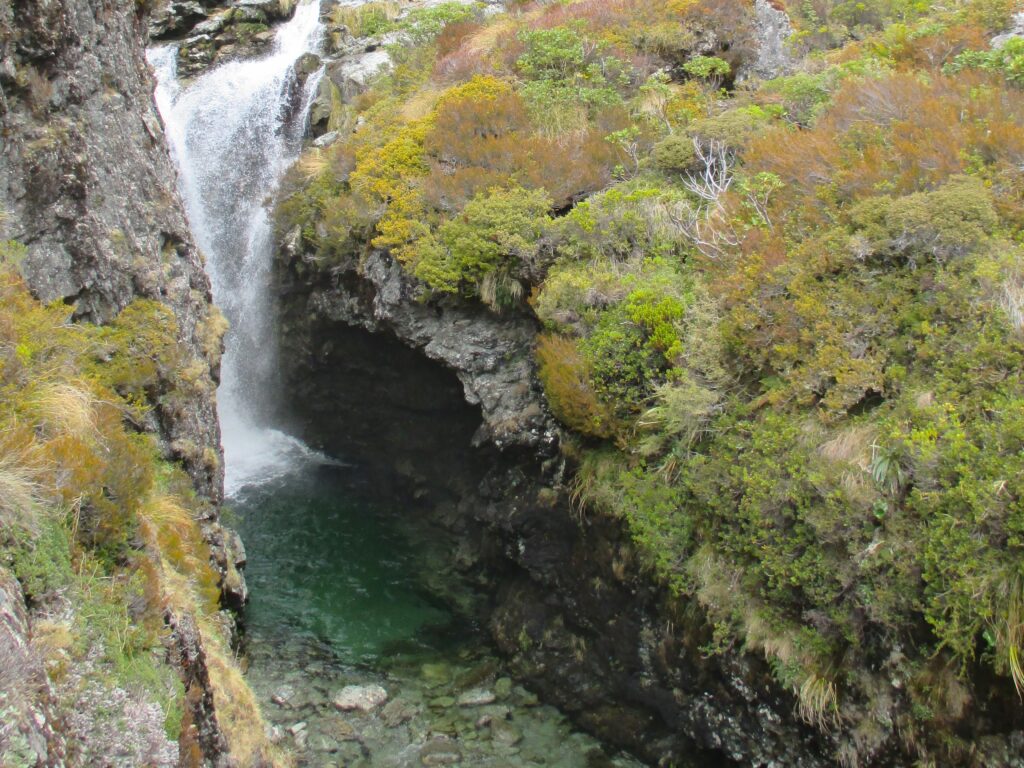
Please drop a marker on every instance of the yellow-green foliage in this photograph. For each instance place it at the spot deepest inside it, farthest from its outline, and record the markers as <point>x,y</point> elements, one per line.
<point>90,510</point>
<point>566,380</point>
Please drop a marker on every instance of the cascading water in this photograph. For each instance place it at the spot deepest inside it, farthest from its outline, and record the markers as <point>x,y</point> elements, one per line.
<point>232,136</point>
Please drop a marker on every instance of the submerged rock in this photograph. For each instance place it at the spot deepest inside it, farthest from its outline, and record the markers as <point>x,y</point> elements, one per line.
<point>364,698</point>
<point>440,751</point>
<point>477,697</point>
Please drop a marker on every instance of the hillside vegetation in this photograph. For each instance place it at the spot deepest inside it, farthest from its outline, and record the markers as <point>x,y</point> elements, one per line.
<point>782,319</point>
<point>104,535</point>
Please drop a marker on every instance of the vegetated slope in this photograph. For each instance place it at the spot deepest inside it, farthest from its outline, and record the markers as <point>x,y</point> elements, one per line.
<point>105,538</point>
<point>782,321</point>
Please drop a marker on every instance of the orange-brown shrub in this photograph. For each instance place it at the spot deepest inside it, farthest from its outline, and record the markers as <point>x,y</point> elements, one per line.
<point>566,379</point>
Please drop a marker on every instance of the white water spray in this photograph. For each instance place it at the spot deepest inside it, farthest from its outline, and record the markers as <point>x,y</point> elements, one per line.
<point>232,135</point>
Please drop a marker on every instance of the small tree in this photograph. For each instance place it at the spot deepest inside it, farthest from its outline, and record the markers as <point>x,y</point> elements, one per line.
<point>710,69</point>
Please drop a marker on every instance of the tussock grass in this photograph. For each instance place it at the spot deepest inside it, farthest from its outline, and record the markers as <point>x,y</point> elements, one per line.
<point>67,408</point>
<point>78,480</point>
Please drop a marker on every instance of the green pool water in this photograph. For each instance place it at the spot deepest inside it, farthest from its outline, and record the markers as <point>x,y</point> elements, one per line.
<point>338,576</point>
<point>329,563</point>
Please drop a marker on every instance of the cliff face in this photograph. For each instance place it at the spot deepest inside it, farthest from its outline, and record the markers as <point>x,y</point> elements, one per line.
<point>86,185</point>
<point>569,604</point>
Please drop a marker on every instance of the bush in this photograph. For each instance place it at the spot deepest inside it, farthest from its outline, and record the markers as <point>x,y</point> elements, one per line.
<point>566,379</point>
<point>497,232</point>
<point>950,221</point>
<point>674,154</point>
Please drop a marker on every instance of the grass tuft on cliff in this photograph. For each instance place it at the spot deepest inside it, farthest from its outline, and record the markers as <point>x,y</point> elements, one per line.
<point>100,530</point>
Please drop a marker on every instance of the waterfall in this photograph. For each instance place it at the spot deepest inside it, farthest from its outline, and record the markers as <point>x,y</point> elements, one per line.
<point>232,133</point>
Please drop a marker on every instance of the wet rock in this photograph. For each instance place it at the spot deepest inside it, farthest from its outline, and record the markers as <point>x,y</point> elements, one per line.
<point>505,733</point>
<point>442,702</point>
<point>283,696</point>
<point>274,10</point>
<point>364,698</point>
<point>396,712</point>
<point>440,751</point>
<point>175,18</point>
<point>476,675</point>
<point>476,697</point>
<point>297,728</point>
<point>342,730</point>
<point>326,140</point>
<point>503,687</point>
<point>526,698</point>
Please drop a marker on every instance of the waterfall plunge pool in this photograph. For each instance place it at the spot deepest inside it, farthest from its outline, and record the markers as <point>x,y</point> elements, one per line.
<point>347,587</point>
<point>340,598</point>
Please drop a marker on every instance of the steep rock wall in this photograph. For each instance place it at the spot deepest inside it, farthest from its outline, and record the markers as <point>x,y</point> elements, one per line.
<point>570,606</point>
<point>86,185</point>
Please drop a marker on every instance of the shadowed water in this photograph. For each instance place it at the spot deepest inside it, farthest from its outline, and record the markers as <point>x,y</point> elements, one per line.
<point>339,598</point>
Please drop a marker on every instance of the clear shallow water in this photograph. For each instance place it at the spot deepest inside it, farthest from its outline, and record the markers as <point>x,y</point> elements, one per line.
<point>338,582</point>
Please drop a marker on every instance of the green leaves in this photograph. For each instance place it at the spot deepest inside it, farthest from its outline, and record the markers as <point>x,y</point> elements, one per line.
<point>1007,60</point>
<point>499,230</point>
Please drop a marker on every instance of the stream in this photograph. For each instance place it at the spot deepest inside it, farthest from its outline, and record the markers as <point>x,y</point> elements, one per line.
<point>348,596</point>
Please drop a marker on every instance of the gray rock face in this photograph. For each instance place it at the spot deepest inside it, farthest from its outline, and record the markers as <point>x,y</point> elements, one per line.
<point>772,31</point>
<point>1015,31</point>
<point>86,184</point>
<point>491,355</point>
<point>27,735</point>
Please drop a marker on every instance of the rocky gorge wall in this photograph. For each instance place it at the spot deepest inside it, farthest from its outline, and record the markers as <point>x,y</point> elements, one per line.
<point>566,600</point>
<point>87,187</point>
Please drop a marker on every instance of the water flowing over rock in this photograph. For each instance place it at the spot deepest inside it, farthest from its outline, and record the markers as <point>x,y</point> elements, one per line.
<point>232,133</point>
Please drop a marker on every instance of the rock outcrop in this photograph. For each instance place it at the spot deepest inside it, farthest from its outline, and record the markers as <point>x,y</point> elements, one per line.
<point>27,733</point>
<point>86,185</point>
<point>570,607</point>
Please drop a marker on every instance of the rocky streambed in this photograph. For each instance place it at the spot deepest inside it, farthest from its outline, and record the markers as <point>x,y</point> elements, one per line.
<point>362,642</point>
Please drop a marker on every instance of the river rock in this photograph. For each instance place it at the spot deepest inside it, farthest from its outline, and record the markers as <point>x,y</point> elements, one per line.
<point>396,712</point>
<point>342,730</point>
<point>504,733</point>
<point>364,698</point>
<point>440,751</point>
<point>274,10</point>
<point>442,702</point>
<point>477,697</point>
<point>326,140</point>
<point>283,696</point>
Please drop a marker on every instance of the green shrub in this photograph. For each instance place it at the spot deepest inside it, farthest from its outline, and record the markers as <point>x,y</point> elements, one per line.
<point>674,154</point>
<point>497,232</point>
<point>566,379</point>
<point>948,222</point>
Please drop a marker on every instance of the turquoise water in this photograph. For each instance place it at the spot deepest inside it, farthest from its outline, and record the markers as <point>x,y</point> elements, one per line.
<point>338,574</point>
<point>329,563</point>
